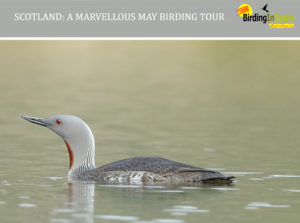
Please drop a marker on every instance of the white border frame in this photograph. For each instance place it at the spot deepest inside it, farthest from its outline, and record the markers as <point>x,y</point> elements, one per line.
<point>149,38</point>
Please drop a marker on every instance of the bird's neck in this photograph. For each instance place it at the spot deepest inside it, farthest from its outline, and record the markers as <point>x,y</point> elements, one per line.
<point>82,153</point>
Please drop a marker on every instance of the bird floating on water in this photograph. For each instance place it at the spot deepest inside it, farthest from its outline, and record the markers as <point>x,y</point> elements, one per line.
<point>80,143</point>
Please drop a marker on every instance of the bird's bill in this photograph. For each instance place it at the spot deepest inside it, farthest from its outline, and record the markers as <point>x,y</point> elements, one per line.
<point>39,121</point>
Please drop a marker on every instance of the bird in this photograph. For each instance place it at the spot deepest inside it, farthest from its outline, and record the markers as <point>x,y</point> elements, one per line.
<point>80,143</point>
<point>265,8</point>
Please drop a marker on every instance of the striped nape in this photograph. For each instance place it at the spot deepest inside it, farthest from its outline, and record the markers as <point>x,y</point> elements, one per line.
<point>88,163</point>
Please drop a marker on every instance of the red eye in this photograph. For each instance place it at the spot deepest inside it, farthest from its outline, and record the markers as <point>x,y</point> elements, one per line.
<point>58,121</point>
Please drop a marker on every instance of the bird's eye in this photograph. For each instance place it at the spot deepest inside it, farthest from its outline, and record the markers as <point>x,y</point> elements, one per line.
<point>58,121</point>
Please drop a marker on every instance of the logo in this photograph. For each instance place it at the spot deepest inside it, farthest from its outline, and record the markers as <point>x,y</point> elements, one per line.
<point>265,8</point>
<point>264,16</point>
<point>244,9</point>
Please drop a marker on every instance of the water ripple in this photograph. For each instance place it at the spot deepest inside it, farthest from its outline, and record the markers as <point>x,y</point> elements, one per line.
<point>165,220</point>
<point>117,217</point>
<point>282,176</point>
<point>162,220</point>
<point>256,178</point>
<point>292,190</point>
<point>190,188</point>
<point>59,220</point>
<point>80,215</point>
<point>63,211</point>
<point>154,187</point>
<point>120,185</point>
<point>224,188</point>
<point>26,205</point>
<point>209,150</point>
<point>255,205</point>
<point>54,178</point>
<point>181,210</point>
<point>243,173</point>
<point>5,183</point>
<point>170,191</point>
<point>24,197</point>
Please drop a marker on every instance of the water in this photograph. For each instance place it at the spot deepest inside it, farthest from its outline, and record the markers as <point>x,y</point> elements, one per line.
<point>229,106</point>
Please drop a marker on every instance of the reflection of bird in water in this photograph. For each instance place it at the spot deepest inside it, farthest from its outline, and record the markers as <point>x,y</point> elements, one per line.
<point>265,8</point>
<point>81,200</point>
<point>81,147</point>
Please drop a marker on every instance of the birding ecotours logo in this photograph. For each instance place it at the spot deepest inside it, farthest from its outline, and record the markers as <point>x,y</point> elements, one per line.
<point>275,20</point>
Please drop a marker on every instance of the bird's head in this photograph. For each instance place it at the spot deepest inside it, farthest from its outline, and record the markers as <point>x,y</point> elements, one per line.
<point>76,134</point>
<point>69,127</point>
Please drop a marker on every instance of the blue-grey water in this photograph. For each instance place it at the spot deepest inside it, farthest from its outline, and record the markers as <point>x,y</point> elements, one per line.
<point>233,106</point>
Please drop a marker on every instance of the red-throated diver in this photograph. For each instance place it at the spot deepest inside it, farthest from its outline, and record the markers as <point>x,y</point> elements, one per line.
<point>79,140</point>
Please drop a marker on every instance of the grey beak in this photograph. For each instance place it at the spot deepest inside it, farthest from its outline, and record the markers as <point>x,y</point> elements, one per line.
<point>39,121</point>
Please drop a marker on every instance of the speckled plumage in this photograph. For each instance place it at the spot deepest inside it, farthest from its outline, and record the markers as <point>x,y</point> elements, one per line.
<point>150,169</point>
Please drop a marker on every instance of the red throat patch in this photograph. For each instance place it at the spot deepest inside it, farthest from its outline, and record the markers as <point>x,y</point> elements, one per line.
<point>70,154</point>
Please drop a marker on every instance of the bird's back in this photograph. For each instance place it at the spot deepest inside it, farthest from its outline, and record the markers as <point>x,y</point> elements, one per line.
<point>156,168</point>
<point>155,165</point>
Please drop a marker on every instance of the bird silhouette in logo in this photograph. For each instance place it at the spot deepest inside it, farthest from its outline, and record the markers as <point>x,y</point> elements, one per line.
<point>265,8</point>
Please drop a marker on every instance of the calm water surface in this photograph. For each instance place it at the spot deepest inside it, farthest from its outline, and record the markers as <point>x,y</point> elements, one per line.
<point>229,106</point>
